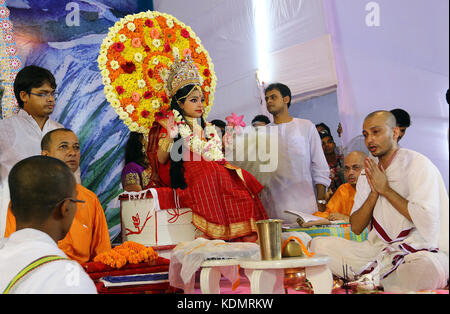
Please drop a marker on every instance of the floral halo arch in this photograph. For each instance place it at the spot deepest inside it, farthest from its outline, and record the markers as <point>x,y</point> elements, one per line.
<point>135,58</point>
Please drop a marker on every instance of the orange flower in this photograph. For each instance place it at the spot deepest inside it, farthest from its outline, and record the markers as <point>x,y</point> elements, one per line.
<point>128,252</point>
<point>170,36</point>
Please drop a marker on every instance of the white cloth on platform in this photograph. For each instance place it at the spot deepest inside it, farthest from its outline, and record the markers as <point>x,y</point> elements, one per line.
<point>404,255</point>
<point>57,277</point>
<point>301,165</point>
<point>20,138</point>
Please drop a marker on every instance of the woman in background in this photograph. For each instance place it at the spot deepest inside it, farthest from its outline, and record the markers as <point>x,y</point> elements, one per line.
<point>136,173</point>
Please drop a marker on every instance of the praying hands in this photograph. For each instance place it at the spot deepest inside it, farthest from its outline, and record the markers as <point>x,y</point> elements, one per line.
<point>376,177</point>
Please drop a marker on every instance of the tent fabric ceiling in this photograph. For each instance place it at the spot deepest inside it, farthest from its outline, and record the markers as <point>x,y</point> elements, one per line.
<point>227,30</point>
<point>403,63</point>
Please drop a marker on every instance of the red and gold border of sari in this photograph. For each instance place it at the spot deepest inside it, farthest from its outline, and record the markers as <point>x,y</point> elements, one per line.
<point>216,231</point>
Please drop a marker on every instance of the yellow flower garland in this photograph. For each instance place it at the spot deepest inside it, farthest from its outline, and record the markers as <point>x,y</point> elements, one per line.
<point>134,61</point>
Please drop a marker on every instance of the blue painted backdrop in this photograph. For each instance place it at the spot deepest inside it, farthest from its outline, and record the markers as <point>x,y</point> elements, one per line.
<point>65,37</point>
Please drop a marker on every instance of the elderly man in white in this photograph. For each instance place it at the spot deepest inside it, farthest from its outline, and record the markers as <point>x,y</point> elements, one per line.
<point>402,198</point>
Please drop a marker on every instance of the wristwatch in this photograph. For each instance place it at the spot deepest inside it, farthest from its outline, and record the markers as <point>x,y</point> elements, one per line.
<point>324,202</point>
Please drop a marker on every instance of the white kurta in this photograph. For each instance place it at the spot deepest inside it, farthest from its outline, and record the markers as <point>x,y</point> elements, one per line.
<point>57,277</point>
<point>20,138</point>
<point>400,252</point>
<point>301,165</point>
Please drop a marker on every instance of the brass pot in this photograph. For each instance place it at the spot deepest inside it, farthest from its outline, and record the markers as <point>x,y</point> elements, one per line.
<point>292,249</point>
<point>295,278</point>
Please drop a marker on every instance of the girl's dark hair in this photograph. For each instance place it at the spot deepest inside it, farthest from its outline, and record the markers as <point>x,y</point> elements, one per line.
<point>133,150</point>
<point>176,167</point>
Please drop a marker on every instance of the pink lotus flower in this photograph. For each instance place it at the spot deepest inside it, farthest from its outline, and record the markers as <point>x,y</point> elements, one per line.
<point>235,121</point>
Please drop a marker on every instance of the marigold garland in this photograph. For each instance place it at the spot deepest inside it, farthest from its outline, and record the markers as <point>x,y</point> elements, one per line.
<point>128,252</point>
<point>135,58</point>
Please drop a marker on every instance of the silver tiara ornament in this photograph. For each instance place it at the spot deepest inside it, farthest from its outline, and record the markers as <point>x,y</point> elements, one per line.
<point>182,73</point>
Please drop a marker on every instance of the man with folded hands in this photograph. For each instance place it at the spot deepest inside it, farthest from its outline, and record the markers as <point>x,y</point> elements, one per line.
<point>401,197</point>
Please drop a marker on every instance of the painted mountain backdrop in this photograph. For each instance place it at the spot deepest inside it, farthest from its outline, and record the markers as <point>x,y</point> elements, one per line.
<point>65,37</point>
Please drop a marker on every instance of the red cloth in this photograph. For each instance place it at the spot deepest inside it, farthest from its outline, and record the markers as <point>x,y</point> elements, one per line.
<point>157,288</point>
<point>224,205</point>
<point>97,270</point>
<point>219,195</point>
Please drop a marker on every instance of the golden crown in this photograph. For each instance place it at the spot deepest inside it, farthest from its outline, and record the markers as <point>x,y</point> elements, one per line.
<point>182,73</point>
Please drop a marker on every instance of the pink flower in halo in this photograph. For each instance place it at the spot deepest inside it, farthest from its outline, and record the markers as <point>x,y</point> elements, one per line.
<point>154,33</point>
<point>136,42</point>
<point>149,23</point>
<point>135,96</point>
<point>187,52</point>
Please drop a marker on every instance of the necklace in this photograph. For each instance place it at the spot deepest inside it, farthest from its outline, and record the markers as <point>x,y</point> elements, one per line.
<point>210,148</point>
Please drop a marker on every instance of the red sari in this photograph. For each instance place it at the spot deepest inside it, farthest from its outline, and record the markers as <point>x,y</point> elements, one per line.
<point>223,198</point>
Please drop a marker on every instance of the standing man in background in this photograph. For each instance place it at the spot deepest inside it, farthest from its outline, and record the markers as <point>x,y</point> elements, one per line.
<point>21,134</point>
<point>302,177</point>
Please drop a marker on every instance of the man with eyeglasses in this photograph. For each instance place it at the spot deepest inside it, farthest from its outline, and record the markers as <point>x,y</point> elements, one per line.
<point>43,200</point>
<point>89,235</point>
<point>340,205</point>
<point>21,134</point>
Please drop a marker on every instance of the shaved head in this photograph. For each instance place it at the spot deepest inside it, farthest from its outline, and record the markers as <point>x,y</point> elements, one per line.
<point>36,186</point>
<point>387,116</point>
<point>356,155</point>
<point>380,133</point>
<point>353,165</point>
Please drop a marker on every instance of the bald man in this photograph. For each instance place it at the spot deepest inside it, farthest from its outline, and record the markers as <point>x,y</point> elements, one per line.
<point>340,205</point>
<point>401,197</point>
<point>44,202</point>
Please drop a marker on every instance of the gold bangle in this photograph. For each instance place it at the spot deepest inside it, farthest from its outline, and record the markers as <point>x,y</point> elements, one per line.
<point>165,144</point>
<point>169,148</point>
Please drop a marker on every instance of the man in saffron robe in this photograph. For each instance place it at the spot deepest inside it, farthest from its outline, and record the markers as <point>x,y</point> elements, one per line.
<point>402,198</point>
<point>340,205</point>
<point>88,236</point>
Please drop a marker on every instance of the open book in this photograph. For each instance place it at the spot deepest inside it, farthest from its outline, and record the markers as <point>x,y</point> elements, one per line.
<point>307,220</point>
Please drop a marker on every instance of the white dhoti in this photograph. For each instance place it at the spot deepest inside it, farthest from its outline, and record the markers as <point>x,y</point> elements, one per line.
<point>397,270</point>
<point>403,255</point>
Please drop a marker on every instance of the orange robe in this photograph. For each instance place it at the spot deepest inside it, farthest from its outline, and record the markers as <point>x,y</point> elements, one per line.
<point>88,236</point>
<point>341,201</point>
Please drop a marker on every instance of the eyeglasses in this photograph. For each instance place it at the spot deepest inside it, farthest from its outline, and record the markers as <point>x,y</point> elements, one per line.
<point>354,168</point>
<point>45,94</point>
<point>73,200</point>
